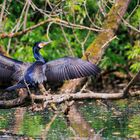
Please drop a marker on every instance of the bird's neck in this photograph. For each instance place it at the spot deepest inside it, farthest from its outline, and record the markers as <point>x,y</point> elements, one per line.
<point>37,54</point>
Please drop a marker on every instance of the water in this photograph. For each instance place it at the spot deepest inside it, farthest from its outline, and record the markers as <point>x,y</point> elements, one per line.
<point>115,120</point>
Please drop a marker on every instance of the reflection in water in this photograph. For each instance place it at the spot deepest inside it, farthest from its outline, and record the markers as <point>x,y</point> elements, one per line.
<point>117,119</point>
<point>18,120</point>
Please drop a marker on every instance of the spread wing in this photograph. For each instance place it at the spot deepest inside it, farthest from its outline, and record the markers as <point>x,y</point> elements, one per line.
<point>69,68</point>
<point>10,68</point>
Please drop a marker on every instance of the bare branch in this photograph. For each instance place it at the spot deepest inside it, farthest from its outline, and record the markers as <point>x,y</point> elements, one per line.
<point>130,26</point>
<point>13,103</point>
<point>48,30</point>
<point>68,43</point>
<point>2,11</point>
<point>59,98</point>
<point>137,5</point>
<point>77,96</point>
<point>132,82</point>
<point>25,16</point>
<point>54,20</point>
<point>85,7</point>
<point>18,25</point>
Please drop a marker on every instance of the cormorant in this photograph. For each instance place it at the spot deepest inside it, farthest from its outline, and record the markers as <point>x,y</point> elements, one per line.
<point>61,69</point>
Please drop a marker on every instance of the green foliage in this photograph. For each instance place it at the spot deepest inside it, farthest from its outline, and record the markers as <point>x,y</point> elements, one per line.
<point>134,56</point>
<point>135,18</point>
<point>114,55</point>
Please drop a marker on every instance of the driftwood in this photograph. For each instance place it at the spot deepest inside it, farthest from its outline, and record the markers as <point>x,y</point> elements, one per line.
<point>60,98</point>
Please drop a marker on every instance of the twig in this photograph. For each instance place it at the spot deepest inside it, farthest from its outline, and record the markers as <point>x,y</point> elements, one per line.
<point>135,78</point>
<point>137,5</point>
<point>20,18</point>
<point>89,16</point>
<point>25,16</point>
<point>68,43</point>
<point>102,8</point>
<point>34,7</point>
<point>108,42</point>
<point>105,46</point>
<point>2,11</point>
<point>48,30</point>
<point>130,26</point>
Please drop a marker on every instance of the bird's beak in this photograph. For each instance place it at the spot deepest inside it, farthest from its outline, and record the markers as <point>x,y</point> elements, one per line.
<point>42,44</point>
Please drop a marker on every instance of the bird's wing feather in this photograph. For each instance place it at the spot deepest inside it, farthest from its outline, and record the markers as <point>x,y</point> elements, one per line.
<point>16,86</point>
<point>7,67</point>
<point>69,68</point>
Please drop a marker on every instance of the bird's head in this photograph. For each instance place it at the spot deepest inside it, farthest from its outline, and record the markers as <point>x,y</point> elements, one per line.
<point>41,44</point>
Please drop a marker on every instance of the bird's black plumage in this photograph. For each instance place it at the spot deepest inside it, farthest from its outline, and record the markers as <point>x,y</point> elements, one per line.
<point>69,68</point>
<point>36,53</point>
<point>11,69</point>
<point>57,70</point>
<point>32,76</point>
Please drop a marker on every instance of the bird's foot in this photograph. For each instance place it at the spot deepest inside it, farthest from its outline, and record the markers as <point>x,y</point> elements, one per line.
<point>43,90</point>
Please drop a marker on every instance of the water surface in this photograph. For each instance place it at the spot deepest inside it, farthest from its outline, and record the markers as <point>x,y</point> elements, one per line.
<point>114,120</point>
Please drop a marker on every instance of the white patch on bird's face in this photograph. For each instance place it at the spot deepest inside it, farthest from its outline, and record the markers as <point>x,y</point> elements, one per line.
<point>41,45</point>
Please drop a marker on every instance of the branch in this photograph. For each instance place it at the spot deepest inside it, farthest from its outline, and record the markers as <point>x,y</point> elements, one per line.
<point>135,78</point>
<point>129,25</point>
<point>54,20</point>
<point>15,102</point>
<point>76,96</point>
<point>59,98</point>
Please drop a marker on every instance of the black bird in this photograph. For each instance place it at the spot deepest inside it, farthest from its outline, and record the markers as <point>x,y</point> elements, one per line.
<point>57,70</point>
<point>14,70</point>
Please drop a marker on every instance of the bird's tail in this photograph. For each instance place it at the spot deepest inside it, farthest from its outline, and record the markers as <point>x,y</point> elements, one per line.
<point>19,85</point>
